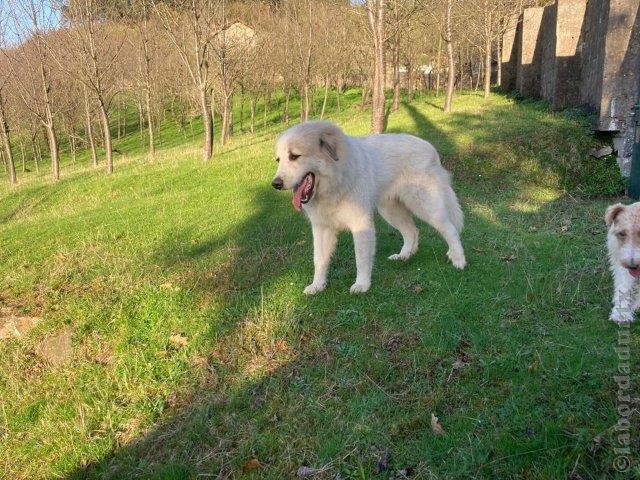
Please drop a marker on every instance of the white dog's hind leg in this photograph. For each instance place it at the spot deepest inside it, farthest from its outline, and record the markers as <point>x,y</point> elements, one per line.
<point>400,218</point>
<point>623,295</point>
<point>365,245</point>
<point>431,208</point>
<point>324,243</point>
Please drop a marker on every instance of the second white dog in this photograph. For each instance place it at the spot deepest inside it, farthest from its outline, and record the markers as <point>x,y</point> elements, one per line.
<point>339,181</point>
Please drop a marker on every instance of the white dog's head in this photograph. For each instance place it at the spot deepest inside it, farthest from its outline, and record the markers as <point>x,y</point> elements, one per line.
<point>307,155</point>
<point>624,235</point>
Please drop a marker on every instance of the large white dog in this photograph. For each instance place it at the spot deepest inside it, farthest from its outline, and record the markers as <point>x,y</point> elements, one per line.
<point>339,181</point>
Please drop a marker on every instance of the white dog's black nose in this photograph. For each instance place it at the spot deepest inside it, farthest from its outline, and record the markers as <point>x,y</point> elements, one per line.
<point>277,183</point>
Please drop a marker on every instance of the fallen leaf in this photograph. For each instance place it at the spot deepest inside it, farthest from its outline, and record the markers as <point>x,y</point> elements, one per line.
<point>103,357</point>
<point>508,258</point>
<point>435,425</point>
<point>459,364</point>
<point>251,465</point>
<point>404,472</point>
<point>56,349</point>
<point>305,472</point>
<point>417,288</point>
<point>595,444</point>
<point>178,340</point>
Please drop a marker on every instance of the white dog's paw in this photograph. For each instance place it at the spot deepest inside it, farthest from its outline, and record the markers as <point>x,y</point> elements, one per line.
<point>620,317</point>
<point>359,287</point>
<point>314,288</point>
<point>398,256</point>
<point>457,259</point>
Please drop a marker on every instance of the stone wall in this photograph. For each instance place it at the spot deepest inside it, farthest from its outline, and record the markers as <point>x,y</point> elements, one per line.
<point>580,53</point>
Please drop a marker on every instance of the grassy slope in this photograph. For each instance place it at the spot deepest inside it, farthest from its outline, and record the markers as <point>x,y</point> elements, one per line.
<point>211,252</point>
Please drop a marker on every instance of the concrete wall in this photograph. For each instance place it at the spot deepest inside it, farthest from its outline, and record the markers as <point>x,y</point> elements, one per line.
<point>580,52</point>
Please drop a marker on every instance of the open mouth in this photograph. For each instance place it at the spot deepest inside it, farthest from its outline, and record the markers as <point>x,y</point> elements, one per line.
<point>634,271</point>
<point>303,192</point>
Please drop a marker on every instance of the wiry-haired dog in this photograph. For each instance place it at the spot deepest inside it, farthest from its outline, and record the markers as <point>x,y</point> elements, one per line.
<point>339,181</point>
<point>623,241</point>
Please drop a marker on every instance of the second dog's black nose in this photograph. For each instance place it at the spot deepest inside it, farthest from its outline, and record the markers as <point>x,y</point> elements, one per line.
<point>277,183</point>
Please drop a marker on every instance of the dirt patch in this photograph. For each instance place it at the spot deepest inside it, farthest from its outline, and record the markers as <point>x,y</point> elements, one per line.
<point>56,349</point>
<point>13,325</point>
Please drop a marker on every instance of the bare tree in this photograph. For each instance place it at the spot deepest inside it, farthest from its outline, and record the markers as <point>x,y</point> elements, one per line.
<point>94,44</point>
<point>191,26</point>
<point>5,136</point>
<point>376,18</point>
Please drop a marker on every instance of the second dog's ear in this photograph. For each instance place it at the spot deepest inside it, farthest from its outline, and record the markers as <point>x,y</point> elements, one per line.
<point>612,212</point>
<point>328,145</point>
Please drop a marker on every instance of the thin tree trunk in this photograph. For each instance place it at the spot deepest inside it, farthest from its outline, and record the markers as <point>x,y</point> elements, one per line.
<point>395,59</point>
<point>409,83</point>
<point>140,118</point>
<point>106,133</point>
<point>242,108</point>
<point>487,68</point>
<point>376,22</point>
<point>35,146</point>
<point>119,134</point>
<point>286,105</point>
<point>451,80</point>
<point>207,123</point>
<point>438,62</point>
<point>72,143</point>
<point>89,128</point>
<point>254,101</point>
<point>150,126</point>
<point>6,141</point>
<point>326,96</point>
<point>266,111</point>
<point>23,156</point>
<point>307,106</point>
<point>499,58</point>
<point>338,91</point>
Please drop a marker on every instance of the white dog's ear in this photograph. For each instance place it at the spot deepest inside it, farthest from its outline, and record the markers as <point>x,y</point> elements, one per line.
<point>612,212</point>
<point>328,144</point>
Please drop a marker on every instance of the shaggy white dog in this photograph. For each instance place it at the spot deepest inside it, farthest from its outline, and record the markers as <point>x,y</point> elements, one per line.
<point>623,241</point>
<point>339,181</point>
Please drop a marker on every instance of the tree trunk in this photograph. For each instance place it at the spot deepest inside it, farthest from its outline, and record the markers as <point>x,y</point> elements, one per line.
<point>438,62</point>
<point>326,96</point>
<point>207,124</point>
<point>224,130</point>
<point>106,134</point>
<point>499,58</point>
<point>152,142</point>
<point>376,22</point>
<point>286,106</point>
<point>267,99</point>
<point>241,109</point>
<point>89,128</point>
<point>23,156</point>
<point>307,106</point>
<point>409,83</point>
<point>52,140</point>
<point>254,101</point>
<point>6,141</point>
<point>395,59</point>
<point>451,78</point>
<point>338,91</point>
<point>37,156</point>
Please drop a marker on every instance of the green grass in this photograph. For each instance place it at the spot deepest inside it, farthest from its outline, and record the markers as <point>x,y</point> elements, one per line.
<point>210,251</point>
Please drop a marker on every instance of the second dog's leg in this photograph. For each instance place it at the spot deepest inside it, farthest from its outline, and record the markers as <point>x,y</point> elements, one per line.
<point>324,242</point>
<point>623,296</point>
<point>365,245</point>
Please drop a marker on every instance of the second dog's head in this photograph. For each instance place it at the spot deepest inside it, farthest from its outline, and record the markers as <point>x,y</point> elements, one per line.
<point>624,235</point>
<point>307,155</point>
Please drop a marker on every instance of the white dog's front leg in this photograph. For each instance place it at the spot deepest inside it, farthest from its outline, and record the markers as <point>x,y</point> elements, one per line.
<point>324,242</point>
<point>623,296</point>
<point>365,246</point>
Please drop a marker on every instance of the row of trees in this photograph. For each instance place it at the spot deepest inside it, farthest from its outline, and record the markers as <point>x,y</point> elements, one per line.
<point>66,69</point>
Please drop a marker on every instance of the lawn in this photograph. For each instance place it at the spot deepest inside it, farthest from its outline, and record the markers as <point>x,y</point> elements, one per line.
<point>196,355</point>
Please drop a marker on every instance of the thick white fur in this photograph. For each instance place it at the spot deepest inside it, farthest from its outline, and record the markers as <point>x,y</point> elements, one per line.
<point>623,242</point>
<point>397,174</point>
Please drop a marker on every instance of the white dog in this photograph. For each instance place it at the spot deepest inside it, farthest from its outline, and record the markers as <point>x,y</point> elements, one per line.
<point>339,181</point>
<point>623,241</point>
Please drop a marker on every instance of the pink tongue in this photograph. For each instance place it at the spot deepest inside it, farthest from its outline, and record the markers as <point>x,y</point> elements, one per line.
<point>635,273</point>
<point>297,194</point>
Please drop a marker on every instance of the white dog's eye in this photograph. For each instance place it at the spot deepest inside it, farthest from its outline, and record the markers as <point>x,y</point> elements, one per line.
<point>293,156</point>
<point>621,234</point>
